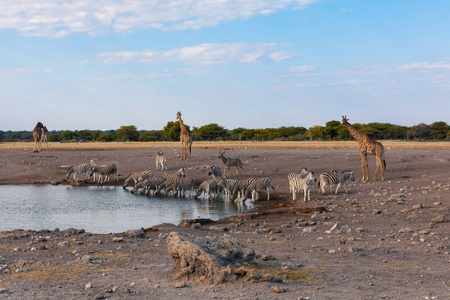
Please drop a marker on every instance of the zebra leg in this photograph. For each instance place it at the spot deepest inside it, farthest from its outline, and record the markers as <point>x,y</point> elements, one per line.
<point>268,193</point>
<point>337,188</point>
<point>345,188</point>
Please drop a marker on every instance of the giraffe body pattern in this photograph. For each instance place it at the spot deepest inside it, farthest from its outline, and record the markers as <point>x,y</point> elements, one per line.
<point>186,140</point>
<point>367,146</point>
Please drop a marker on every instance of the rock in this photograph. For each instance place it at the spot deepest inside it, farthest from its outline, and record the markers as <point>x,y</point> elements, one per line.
<point>438,219</point>
<point>213,260</point>
<point>17,249</point>
<point>278,289</point>
<point>117,239</point>
<point>180,285</point>
<point>136,233</point>
<point>88,285</point>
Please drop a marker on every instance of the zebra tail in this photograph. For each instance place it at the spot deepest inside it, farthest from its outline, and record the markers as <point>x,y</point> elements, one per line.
<point>384,164</point>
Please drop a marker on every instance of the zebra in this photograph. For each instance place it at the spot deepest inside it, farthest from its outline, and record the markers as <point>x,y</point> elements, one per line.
<point>154,185</point>
<point>240,188</point>
<point>161,162</point>
<point>303,184</point>
<point>215,172</point>
<point>136,177</point>
<point>104,171</point>
<point>335,178</point>
<point>209,187</point>
<point>258,185</point>
<point>303,173</point>
<point>141,185</point>
<point>78,169</point>
<point>228,185</point>
<point>172,180</point>
<point>185,184</point>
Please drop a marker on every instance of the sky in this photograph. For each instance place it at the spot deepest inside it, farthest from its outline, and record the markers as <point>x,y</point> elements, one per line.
<point>81,64</point>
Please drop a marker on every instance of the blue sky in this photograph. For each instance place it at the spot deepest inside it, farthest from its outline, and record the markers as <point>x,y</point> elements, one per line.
<point>83,64</point>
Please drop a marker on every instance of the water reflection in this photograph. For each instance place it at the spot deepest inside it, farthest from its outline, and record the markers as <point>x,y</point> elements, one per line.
<point>99,209</point>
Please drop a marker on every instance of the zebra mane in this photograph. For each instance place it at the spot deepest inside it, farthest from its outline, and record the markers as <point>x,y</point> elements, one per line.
<point>346,171</point>
<point>69,168</point>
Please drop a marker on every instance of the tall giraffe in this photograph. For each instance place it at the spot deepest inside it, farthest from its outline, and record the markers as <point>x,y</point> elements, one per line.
<point>44,137</point>
<point>37,136</point>
<point>367,146</point>
<point>186,140</point>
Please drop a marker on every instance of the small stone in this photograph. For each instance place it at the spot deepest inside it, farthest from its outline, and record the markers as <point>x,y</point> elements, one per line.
<point>17,249</point>
<point>438,219</point>
<point>180,285</point>
<point>278,290</point>
<point>88,285</point>
<point>117,239</point>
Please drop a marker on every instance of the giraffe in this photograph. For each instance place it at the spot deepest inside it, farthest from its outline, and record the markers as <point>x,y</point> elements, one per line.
<point>44,137</point>
<point>186,140</point>
<point>37,136</point>
<point>367,146</point>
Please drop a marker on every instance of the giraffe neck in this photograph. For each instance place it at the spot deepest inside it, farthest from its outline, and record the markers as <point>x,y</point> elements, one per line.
<point>183,128</point>
<point>357,135</point>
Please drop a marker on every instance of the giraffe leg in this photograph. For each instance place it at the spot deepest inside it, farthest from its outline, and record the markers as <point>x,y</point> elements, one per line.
<point>363,165</point>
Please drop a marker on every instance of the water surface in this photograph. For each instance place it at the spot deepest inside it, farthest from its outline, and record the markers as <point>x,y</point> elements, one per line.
<point>98,209</point>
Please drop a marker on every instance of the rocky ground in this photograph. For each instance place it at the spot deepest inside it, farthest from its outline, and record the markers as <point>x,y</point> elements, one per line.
<point>384,240</point>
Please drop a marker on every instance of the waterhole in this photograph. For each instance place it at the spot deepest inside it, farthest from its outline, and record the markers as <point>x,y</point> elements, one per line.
<point>99,209</point>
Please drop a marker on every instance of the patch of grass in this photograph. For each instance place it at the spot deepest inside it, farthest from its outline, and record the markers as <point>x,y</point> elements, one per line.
<point>398,266</point>
<point>4,247</point>
<point>50,274</point>
<point>113,256</point>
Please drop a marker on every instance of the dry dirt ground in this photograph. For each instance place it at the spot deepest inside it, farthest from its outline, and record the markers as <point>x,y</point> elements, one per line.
<point>384,240</point>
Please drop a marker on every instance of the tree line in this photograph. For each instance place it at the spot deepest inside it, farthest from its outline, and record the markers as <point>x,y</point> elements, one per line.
<point>332,131</point>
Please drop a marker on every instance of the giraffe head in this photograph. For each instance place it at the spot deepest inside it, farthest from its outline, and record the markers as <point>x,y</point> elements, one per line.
<point>179,115</point>
<point>344,120</point>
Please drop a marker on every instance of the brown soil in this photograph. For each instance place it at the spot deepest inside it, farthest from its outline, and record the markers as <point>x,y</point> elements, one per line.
<point>391,240</point>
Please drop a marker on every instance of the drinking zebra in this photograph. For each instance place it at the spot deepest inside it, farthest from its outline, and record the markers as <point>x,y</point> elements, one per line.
<point>208,187</point>
<point>335,178</point>
<point>154,185</point>
<point>185,184</point>
<point>136,177</point>
<point>303,184</point>
<point>240,188</point>
<point>228,186</point>
<point>258,185</point>
<point>78,169</point>
<point>104,171</point>
<point>172,180</point>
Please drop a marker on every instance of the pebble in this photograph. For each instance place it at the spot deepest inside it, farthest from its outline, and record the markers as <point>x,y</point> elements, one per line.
<point>88,285</point>
<point>117,239</point>
<point>278,289</point>
<point>17,249</point>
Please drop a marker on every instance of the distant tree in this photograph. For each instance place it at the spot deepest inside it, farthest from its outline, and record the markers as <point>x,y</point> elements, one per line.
<point>439,130</point>
<point>151,136</point>
<point>332,128</point>
<point>127,133</point>
<point>419,132</point>
<point>212,132</point>
<point>106,137</point>
<point>67,136</point>
<point>316,132</point>
<point>85,135</point>
<point>236,133</point>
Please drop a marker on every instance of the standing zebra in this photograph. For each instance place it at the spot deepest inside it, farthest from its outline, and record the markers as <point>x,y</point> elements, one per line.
<point>136,177</point>
<point>172,180</point>
<point>303,173</point>
<point>209,187</point>
<point>303,184</point>
<point>258,185</point>
<point>335,178</point>
<point>161,162</point>
<point>105,171</point>
<point>185,184</point>
<point>229,185</point>
<point>240,188</point>
<point>154,185</point>
<point>78,169</point>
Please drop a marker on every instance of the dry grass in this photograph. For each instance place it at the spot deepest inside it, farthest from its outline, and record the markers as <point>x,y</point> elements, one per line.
<point>50,274</point>
<point>303,275</point>
<point>226,144</point>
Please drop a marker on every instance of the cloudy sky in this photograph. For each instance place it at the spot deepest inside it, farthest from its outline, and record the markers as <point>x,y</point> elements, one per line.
<point>102,64</point>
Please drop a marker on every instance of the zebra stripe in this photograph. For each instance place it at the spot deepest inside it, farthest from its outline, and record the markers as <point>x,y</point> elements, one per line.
<point>78,169</point>
<point>303,173</point>
<point>215,172</point>
<point>209,187</point>
<point>241,187</point>
<point>303,184</point>
<point>185,184</point>
<point>136,177</point>
<point>105,171</point>
<point>327,179</point>
<point>161,162</point>
<point>338,179</point>
<point>258,185</point>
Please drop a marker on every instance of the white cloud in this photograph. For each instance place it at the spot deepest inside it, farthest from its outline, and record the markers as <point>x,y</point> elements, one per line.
<point>24,71</point>
<point>202,54</point>
<point>56,18</point>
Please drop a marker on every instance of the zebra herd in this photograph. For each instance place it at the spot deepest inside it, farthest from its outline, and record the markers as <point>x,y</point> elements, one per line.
<point>217,186</point>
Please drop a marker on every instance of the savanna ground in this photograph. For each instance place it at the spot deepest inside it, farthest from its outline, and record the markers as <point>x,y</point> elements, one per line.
<point>384,240</point>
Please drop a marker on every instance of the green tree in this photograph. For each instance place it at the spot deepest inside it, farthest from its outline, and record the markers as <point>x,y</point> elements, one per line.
<point>151,136</point>
<point>67,136</point>
<point>316,132</point>
<point>332,129</point>
<point>419,132</point>
<point>439,130</point>
<point>212,132</point>
<point>127,133</point>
